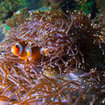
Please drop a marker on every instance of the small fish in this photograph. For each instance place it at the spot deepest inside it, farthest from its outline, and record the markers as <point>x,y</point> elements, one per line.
<point>27,53</point>
<point>51,73</point>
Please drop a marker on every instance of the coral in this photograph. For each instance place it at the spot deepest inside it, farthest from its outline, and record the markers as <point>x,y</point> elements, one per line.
<point>100,4</point>
<point>7,7</point>
<point>86,6</point>
<point>1,33</point>
<point>73,44</point>
<point>61,4</point>
<point>18,18</point>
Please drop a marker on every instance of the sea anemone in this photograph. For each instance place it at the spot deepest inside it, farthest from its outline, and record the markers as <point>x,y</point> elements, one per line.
<point>73,43</point>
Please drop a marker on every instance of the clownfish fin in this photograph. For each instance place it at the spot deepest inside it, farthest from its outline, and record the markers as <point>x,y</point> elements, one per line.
<point>29,52</point>
<point>25,58</point>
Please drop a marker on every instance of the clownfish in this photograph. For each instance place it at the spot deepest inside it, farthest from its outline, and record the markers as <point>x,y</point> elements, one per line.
<point>23,51</point>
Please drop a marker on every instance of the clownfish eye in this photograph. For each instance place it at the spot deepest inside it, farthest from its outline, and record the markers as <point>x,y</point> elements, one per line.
<point>17,46</point>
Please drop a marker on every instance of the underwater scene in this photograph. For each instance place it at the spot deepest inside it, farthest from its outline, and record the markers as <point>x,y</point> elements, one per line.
<point>52,52</point>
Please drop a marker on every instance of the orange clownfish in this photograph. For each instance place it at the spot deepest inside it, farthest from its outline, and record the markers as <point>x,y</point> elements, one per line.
<point>26,53</point>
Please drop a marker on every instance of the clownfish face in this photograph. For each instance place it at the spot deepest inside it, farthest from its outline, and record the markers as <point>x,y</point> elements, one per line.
<point>17,49</point>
